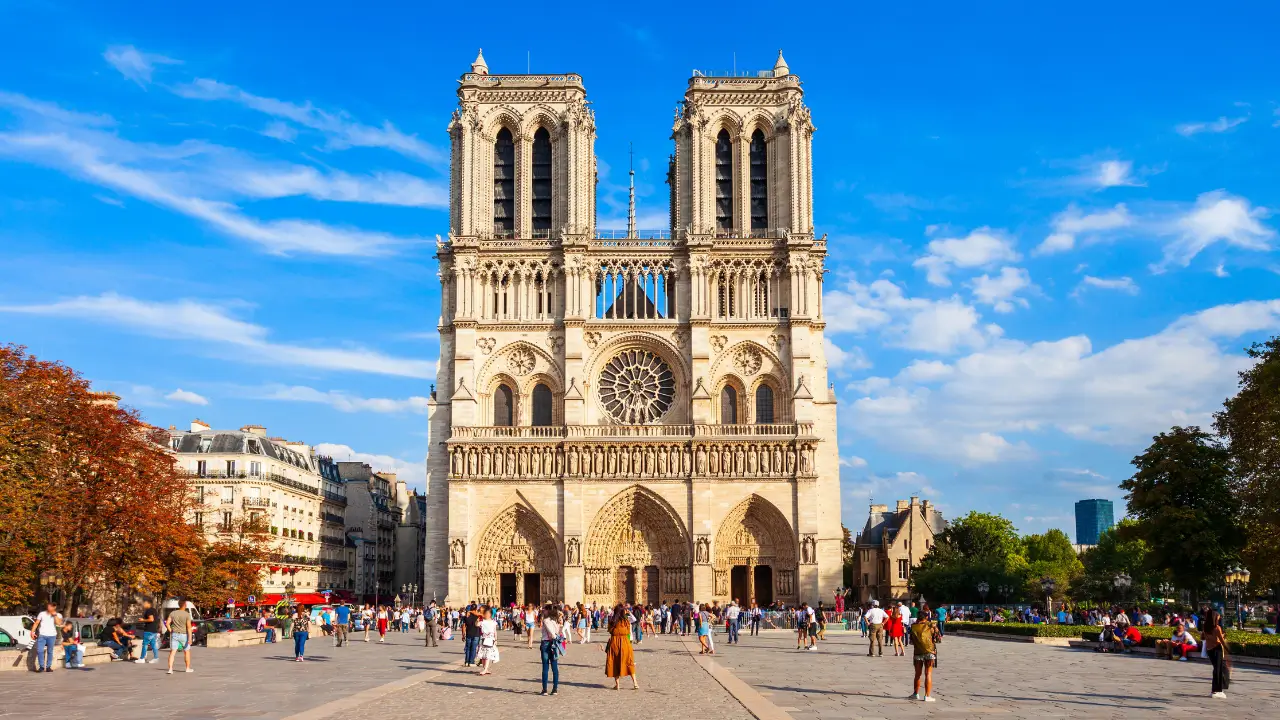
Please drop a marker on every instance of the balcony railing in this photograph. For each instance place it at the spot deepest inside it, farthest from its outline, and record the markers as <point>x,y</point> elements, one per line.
<point>290,482</point>
<point>335,498</point>
<point>332,540</point>
<point>479,432</point>
<point>330,517</point>
<point>502,431</point>
<point>744,429</point>
<point>255,502</point>
<point>265,477</point>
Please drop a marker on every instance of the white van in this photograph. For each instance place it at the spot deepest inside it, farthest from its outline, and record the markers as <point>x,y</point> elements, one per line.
<point>18,628</point>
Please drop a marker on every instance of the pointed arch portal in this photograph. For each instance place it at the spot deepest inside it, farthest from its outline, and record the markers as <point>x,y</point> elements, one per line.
<point>637,551</point>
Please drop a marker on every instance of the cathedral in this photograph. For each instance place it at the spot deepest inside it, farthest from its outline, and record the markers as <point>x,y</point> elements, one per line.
<point>623,417</point>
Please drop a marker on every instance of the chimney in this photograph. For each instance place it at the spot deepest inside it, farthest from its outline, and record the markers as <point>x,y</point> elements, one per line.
<point>915,500</point>
<point>903,505</point>
<point>389,477</point>
<point>254,430</point>
<point>103,397</point>
<point>199,425</point>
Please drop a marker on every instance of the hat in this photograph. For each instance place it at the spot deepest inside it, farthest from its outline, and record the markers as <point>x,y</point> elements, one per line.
<point>875,603</point>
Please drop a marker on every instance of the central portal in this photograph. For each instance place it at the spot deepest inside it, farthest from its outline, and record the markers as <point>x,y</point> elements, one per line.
<point>740,584</point>
<point>626,585</point>
<point>507,589</point>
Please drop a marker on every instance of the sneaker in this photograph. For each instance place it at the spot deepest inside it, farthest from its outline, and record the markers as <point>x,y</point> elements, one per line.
<point>188,670</point>
<point>1182,659</point>
<point>1219,694</point>
<point>49,669</point>
<point>544,692</point>
<point>913,696</point>
<point>169,671</point>
<point>553,692</point>
<point>140,661</point>
<point>929,698</point>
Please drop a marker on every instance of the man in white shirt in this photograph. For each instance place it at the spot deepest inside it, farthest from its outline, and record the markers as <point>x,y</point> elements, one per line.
<point>47,624</point>
<point>904,614</point>
<point>875,619</point>
<point>731,616</point>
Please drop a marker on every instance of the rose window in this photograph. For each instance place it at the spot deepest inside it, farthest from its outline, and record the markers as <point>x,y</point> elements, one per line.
<point>637,387</point>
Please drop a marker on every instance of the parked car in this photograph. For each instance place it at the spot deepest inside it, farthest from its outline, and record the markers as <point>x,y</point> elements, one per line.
<point>7,642</point>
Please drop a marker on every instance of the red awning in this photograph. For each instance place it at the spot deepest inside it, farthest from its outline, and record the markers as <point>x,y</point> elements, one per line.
<point>302,598</point>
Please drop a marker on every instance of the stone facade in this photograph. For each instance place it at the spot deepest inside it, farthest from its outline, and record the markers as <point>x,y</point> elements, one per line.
<point>631,418</point>
<point>890,546</point>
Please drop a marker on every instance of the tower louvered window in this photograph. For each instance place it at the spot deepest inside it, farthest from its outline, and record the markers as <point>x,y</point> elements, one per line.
<point>728,405</point>
<point>724,181</point>
<point>759,182</point>
<point>764,404</point>
<point>541,183</point>
<point>503,407</point>
<point>504,184</point>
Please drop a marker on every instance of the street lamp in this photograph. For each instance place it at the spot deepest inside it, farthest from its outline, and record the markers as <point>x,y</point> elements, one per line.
<point>1166,590</point>
<point>1047,584</point>
<point>1005,592</point>
<point>1237,579</point>
<point>983,587</point>
<point>1122,583</point>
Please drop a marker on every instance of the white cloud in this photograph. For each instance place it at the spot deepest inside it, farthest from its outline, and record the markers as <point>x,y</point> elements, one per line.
<point>1122,284</point>
<point>1217,217</point>
<point>39,108</point>
<point>191,320</point>
<point>842,361</point>
<point>382,188</point>
<point>344,401</point>
<point>413,473</point>
<point>1119,395</point>
<point>1073,223</point>
<point>1221,125</point>
<point>186,396</point>
<point>339,129</point>
<point>280,130</point>
<point>981,248</point>
<point>135,64</point>
<point>1115,173</point>
<point>926,371</point>
<point>852,461</point>
<point>943,327</point>
<point>1001,291</point>
<point>911,322</point>
<point>845,312</point>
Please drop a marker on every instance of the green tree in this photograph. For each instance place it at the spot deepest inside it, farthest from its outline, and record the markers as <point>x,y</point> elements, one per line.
<point>1118,552</point>
<point>1051,555</point>
<point>979,547</point>
<point>1181,498</point>
<point>1250,423</point>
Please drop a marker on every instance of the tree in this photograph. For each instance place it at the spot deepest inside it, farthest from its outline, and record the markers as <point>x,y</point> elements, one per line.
<point>979,547</point>
<point>1051,555</point>
<point>1118,552</point>
<point>1250,423</point>
<point>1181,500</point>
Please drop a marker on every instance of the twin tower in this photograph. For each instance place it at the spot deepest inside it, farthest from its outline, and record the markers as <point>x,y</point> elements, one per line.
<point>624,418</point>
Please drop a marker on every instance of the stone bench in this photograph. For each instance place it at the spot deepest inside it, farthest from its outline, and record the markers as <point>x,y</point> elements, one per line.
<point>23,659</point>
<point>235,638</point>
<point>1193,657</point>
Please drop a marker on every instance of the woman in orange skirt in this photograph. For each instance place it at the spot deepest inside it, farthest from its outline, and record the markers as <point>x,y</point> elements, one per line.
<point>619,661</point>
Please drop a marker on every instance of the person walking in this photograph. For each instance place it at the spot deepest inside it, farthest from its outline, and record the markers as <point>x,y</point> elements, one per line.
<point>896,630</point>
<point>47,624</point>
<point>551,647</point>
<point>150,632</point>
<point>619,659</point>
<point>1215,646</point>
<point>366,619</point>
<point>471,635</point>
<point>875,618</point>
<point>342,625</point>
<point>924,643</point>
<point>488,652</point>
<point>301,631</point>
<point>731,614</point>
<point>432,614</point>
<point>755,614</point>
<point>180,635</point>
<point>382,624</point>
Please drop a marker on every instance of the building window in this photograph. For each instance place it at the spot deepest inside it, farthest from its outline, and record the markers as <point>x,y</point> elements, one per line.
<point>200,519</point>
<point>228,494</point>
<point>764,404</point>
<point>504,184</point>
<point>226,520</point>
<point>541,182</point>
<point>866,579</point>
<point>231,468</point>
<point>255,468</point>
<point>201,468</point>
<point>542,405</point>
<point>724,181</point>
<point>206,444</point>
<point>502,406</point>
<point>759,182</point>
<point>174,442</point>
<point>904,568</point>
<point>728,405</point>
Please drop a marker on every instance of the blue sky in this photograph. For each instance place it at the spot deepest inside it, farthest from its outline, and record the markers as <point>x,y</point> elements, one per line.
<point>1049,228</point>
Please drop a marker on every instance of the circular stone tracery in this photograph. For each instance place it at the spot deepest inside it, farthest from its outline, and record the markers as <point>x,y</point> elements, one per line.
<point>637,387</point>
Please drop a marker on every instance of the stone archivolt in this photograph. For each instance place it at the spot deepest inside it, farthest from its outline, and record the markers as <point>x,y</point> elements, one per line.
<point>756,533</point>
<point>517,541</point>
<point>639,530</point>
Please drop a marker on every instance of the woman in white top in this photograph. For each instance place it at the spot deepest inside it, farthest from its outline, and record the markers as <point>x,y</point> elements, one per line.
<point>488,641</point>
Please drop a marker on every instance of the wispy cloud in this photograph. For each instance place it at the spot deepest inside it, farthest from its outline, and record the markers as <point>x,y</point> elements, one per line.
<point>413,473</point>
<point>1221,125</point>
<point>1073,223</point>
<point>339,129</point>
<point>135,64</point>
<point>1120,284</point>
<point>1114,173</point>
<point>344,401</point>
<point>1001,291</point>
<point>981,248</point>
<point>17,102</point>
<point>211,325</point>
<point>1217,217</point>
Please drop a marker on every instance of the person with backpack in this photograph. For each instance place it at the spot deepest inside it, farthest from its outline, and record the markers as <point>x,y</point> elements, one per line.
<point>433,616</point>
<point>924,642</point>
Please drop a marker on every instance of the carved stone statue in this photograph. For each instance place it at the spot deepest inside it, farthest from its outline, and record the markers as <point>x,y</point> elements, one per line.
<point>702,551</point>
<point>702,460</point>
<point>791,460</point>
<point>571,551</point>
<point>458,552</point>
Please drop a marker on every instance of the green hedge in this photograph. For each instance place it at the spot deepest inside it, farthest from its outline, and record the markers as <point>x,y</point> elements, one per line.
<point>1025,629</point>
<point>1239,642</point>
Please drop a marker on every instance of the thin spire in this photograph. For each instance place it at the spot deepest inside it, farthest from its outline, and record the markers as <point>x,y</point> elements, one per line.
<point>631,202</point>
<point>480,67</point>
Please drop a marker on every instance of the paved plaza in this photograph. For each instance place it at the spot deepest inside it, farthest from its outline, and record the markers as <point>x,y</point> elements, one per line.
<point>764,677</point>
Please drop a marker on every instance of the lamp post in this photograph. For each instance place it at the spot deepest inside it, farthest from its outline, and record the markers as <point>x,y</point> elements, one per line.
<point>1166,589</point>
<point>1048,585</point>
<point>1005,592</point>
<point>983,587</point>
<point>1122,583</point>
<point>1237,579</point>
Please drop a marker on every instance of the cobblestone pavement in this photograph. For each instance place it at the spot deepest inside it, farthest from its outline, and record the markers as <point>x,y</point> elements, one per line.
<point>258,681</point>
<point>988,677</point>
<point>672,687</point>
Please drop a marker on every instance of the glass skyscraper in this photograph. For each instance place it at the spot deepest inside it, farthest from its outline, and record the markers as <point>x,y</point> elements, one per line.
<point>1092,518</point>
